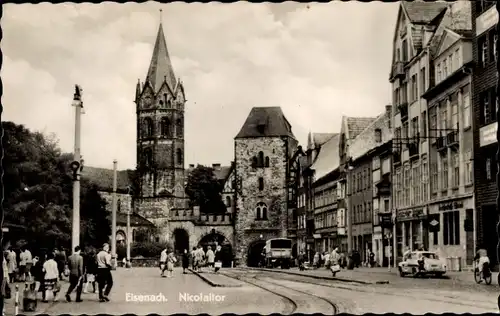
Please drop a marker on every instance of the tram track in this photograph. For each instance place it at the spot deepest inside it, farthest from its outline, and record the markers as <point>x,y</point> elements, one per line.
<point>299,300</point>
<point>383,290</point>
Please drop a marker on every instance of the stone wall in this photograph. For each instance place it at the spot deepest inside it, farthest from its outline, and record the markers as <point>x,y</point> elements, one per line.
<point>247,228</point>
<point>124,201</point>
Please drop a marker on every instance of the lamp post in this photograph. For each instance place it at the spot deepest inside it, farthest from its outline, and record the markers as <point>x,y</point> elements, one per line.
<point>113,217</point>
<point>76,167</point>
<point>128,232</point>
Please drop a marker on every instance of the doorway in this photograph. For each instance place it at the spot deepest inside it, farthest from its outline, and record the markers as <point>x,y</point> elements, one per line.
<point>254,256</point>
<point>181,240</point>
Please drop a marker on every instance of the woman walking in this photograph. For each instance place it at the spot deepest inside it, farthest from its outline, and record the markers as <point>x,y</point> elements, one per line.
<point>218,258</point>
<point>90,268</point>
<point>170,264</point>
<point>185,261</point>
<point>51,277</point>
<point>39,274</point>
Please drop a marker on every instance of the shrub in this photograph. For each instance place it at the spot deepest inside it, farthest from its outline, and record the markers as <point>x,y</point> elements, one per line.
<point>147,249</point>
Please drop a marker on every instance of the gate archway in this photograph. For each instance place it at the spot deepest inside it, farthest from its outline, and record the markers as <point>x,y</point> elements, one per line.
<point>181,240</point>
<point>215,239</point>
<point>254,256</point>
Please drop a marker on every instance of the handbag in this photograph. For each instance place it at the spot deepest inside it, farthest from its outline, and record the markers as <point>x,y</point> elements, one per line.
<point>335,268</point>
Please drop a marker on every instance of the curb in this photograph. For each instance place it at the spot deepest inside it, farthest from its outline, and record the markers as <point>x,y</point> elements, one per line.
<point>322,277</point>
<point>210,282</point>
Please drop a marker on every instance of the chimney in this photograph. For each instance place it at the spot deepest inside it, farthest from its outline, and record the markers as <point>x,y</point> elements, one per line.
<point>216,165</point>
<point>388,110</point>
<point>191,166</point>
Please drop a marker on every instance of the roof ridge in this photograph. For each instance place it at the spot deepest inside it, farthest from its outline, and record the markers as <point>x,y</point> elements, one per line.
<point>372,123</point>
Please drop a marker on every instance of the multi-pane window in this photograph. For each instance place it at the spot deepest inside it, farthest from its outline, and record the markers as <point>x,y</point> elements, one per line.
<point>433,121</point>
<point>425,180</point>
<point>422,80</point>
<point>492,44</point>
<point>488,106</point>
<point>466,106</point>
<point>398,187</point>
<point>434,178</point>
<point>485,104</point>
<point>444,173</point>
<point>456,170</point>
<point>457,59</point>
<point>443,117</point>
<point>407,188</point>
<point>397,136</point>
<point>454,110</point>
<point>414,88</point>
<point>424,125</point>
<point>468,167</point>
<point>450,64</point>
<point>451,228</point>
<point>445,69</point>
<point>416,185</point>
<point>488,169</point>
<point>414,127</point>
<point>483,50</point>
<point>438,73</point>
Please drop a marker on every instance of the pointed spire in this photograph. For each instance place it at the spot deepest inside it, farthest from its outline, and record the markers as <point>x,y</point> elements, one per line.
<point>160,69</point>
<point>138,89</point>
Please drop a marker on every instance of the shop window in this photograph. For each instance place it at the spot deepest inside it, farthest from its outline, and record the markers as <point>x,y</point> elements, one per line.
<point>451,228</point>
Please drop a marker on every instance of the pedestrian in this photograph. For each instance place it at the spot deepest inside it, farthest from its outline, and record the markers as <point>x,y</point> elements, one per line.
<point>75,265</point>
<point>327,260</point>
<point>371,255</point>
<point>104,277</point>
<point>192,256</point>
<point>300,261</point>
<point>38,274</point>
<point>210,257</point>
<point>163,262</point>
<point>90,268</point>
<point>185,261</point>
<point>218,258</point>
<point>6,290</point>
<point>170,264</point>
<point>316,260</point>
<point>199,254</point>
<point>12,264</point>
<point>50,278</point>
<point>61,260</point>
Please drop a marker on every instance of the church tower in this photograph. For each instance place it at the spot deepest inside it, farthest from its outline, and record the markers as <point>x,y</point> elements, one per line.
<point>160,104</point>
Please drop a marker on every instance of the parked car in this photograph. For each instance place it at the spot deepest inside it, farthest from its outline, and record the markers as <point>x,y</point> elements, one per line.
<point>419,263</point>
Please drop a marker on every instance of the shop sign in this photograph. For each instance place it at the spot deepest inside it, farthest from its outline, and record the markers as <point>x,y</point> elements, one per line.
<point>341,231</point>
<point>408,215</point>
<point>316,236</point>
<point>486,20</point>
<point>341,218</point>
<point>434,224</point>
<point>449,206</point>
<point>488,134</point>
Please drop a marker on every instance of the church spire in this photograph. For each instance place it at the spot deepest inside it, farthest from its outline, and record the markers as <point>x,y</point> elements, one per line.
<point>161,69</point>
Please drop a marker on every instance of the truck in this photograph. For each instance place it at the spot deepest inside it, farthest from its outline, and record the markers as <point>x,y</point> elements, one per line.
<point>278,253</point>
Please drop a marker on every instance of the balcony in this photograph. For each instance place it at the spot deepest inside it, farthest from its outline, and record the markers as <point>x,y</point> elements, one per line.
<point>452,138</point>
<point>413,147</point>
<point>403,110</point>
<point>441,143</point>
<point>398,70</point>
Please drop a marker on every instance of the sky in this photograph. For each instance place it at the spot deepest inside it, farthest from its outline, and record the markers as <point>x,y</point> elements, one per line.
<point>316,61</point>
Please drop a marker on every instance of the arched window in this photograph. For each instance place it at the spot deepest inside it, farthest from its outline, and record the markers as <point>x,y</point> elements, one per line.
<point>118,206</point>
<point>179,128</point>
<point>261,211</point>
<point>165,127</point>
<point>148,127</point>
<point>261,159</point>
<point>255,162</point>
<point>228,201</point>
<point>267,162</point>
<point>148,157</point>
<point>179,156</point>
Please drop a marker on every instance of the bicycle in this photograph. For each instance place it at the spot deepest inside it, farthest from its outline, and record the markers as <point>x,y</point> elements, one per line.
<point>485,274</point>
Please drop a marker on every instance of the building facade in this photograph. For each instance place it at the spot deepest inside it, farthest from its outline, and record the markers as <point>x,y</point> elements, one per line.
<point>263,149</point>
<point>484,103</point>
<point>451,202</point>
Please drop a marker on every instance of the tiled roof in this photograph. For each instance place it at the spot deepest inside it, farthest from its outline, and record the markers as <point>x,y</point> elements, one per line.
<point>328,158</point>
<point>321,138</point>
<point>366,139</point>
<point>423,12</point>
<point>160,69</point>
<point>103,178</point>
<point>135,220</point>
<point>356,125</point>
<point>221,173</point>
<point>272,120</point>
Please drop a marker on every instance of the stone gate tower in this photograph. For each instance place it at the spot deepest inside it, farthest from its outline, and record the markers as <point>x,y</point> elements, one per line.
<point>160,104</point>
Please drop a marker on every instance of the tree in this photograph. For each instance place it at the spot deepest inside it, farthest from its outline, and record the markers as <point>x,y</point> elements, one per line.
<point>204,190</point>
<point>38,190</point>
<point>96,225</point>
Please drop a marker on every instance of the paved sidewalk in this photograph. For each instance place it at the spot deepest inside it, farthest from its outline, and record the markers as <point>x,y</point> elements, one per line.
<point>9,304</point>
<point>217,279</point>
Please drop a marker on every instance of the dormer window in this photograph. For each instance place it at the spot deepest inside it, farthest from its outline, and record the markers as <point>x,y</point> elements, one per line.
<point>378,135</point>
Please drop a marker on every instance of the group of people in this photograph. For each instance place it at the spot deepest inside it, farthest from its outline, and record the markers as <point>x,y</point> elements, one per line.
<point>197,259</point>
<point>45,272</point>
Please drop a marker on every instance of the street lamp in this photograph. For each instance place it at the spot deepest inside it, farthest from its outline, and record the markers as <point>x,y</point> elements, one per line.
<point>76,166</point>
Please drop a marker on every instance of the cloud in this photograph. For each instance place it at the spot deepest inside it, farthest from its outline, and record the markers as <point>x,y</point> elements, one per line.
<point>317,62</point>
